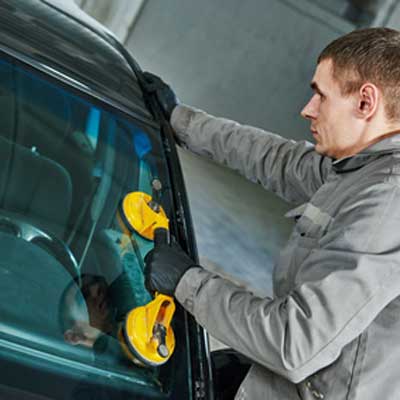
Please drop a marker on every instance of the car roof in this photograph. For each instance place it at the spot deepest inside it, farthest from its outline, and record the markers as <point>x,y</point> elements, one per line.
<point>69,46</point>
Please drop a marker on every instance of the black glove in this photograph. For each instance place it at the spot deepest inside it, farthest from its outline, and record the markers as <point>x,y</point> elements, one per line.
<point>165,95</point>
<point>165,265</point>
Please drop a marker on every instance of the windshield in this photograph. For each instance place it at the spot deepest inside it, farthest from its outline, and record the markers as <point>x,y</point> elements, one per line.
<point>70,271</point>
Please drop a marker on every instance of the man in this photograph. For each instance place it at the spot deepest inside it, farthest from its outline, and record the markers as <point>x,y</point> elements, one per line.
<point>90,314</point>
<point>86,312</point>
<point>93,307</point>
<point>331,331</point>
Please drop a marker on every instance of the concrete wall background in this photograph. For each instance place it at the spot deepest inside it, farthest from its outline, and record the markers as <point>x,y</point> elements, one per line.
<point>250,61</point>
<point>118,15</point>
<point>392,16</point>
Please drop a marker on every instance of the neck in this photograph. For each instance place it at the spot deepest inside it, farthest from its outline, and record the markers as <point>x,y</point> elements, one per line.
<point>382,136</point>
<point>372,135</point>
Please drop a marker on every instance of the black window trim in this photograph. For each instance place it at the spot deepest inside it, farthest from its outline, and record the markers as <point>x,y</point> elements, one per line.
<point>70,82</point>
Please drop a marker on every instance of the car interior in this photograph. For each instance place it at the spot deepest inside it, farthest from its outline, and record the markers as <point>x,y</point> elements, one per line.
<point>66,162</point>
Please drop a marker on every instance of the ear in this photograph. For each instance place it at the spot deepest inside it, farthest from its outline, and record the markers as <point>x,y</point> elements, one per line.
<point>368,100</point>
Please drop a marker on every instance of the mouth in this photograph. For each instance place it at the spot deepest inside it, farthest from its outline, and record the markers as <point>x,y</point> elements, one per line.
<point>103,305</point>
<point>315,135</point>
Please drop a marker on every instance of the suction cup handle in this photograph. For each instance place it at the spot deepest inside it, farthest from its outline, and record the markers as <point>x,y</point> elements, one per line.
<point>156,187</point>
<point>160,333</point>
<point>161,236</point>
<point>154,203</point>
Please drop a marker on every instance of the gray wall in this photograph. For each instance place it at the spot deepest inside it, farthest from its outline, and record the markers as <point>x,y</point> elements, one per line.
<point>250,61</point>
<point>392,17</point>
<point>118,15</point>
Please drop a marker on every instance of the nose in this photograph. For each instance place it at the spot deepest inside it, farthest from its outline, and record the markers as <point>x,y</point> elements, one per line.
<point>310,110</point>
<point>96,291</point>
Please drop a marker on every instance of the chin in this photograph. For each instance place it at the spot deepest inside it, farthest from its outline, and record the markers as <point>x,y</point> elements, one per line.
<point>324,152</point>
<point>319,149</point>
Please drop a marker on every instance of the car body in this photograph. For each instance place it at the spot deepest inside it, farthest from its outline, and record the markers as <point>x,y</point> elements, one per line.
<point>78,132</point>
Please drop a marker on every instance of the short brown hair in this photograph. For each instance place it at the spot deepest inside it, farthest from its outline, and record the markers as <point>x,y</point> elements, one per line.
<point>368,55</point>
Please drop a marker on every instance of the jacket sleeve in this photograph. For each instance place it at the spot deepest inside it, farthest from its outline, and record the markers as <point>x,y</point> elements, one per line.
<point>341,286</point>
<point>292,170</point>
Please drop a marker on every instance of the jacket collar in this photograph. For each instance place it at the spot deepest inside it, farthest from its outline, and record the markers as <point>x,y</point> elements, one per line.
<point>389,144</point>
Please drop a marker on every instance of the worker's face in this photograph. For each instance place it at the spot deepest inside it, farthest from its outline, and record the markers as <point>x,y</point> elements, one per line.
<point>95,292</point>
<point>90,309</point>
<point>334,123</point>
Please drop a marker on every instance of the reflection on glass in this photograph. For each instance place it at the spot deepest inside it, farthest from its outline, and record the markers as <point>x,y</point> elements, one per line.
<point>69,272</point>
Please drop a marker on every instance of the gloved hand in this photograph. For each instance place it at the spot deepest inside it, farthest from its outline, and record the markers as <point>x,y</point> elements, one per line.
<point>165,265</point>
<point>165,95</point>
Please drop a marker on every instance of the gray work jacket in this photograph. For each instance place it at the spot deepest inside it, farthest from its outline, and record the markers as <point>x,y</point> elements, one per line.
<point>332,329</point>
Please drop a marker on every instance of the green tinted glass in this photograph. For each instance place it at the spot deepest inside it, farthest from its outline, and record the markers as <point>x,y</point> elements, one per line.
<point>69,271</point>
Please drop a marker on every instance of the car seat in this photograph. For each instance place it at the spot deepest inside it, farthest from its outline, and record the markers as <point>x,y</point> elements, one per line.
<point>35,187</point>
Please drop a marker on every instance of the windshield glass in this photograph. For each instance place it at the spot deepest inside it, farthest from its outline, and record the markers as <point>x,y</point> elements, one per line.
<point>70,269</point>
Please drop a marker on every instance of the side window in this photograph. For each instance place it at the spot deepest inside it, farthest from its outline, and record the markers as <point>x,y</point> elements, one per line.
<point>71,269</point>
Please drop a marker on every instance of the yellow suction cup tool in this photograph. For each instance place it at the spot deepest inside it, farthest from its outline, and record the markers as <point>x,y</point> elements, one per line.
<point>146,336</point>
<point>143,212</point>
